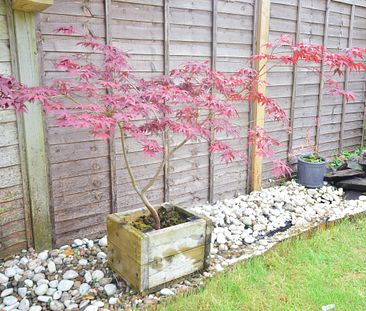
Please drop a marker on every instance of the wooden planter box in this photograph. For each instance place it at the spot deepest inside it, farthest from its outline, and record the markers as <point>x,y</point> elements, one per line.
<point>148,261</point>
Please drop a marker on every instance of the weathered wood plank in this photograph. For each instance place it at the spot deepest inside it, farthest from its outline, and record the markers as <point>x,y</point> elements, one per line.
<point>168,241</point>
<point>258,110</point>
<point>358,184</point>
<point>34,132</point>
<point>294,79</point>
<point>214,36</point>
<point>168,269</point>
<point>7,116</point>
<point>336,175</point>
<point>346,80</point>
<point>9,156</point>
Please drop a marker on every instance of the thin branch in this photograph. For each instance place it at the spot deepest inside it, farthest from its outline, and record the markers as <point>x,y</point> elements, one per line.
<point>128,167</point>
<point>162,164</point>
<point>144,199</point>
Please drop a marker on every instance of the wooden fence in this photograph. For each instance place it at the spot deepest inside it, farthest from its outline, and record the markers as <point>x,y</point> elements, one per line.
<point>86,178</point>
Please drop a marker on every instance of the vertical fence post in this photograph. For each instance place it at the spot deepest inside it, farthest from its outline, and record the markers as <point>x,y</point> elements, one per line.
<point>294,83</point>
<point>346,80</point>
<point>20,128</point>
<point>211,179</point>
<point>322,70</point>
<point>258,110</point>
<point>111,140</point>
<point>166,9</point>
<point>34,134</point>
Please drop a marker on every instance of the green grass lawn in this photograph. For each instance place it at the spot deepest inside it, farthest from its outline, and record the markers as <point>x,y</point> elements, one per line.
<point>306,274</point>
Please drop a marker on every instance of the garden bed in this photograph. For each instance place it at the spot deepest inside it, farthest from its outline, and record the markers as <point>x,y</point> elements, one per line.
<point>77,277</point>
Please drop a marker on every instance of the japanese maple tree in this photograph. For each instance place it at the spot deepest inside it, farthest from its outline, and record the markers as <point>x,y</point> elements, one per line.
<point>192,102</point>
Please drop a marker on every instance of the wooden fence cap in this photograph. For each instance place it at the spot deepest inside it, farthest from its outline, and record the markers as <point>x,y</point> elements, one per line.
<point>31,5</point>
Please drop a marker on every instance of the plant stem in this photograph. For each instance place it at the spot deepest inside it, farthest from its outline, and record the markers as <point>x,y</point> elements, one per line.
<point>142,195</point>
<point>162,164</point>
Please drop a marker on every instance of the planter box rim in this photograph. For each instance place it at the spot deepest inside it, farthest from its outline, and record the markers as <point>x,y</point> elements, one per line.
<point>199,218</point>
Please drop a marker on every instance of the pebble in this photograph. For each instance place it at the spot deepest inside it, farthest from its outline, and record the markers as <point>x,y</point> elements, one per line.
<point>78,242</point>
<point>45,298</point>
<point>91,308</point>
<point>90,243</point>
<point>167,292</point>
<point>83,262</point>
<point>22,292</point>
<point>10,272</point>
<point>57,295</point>
<point>28,283</point>
<point>56,305</point>
<point>43,255</point>
<point>65,285</point>
<point>10,300</point>
<point>24,304</point>
<point>110,289</point>
<point>84,289</point>
<point>112,300</point>
<point>3,278</point>
<point>41,289</point>
<point>103,242</point>
<point>70,274</point>
<point>97,275</point>
<point>88,277</point>
<point>6,292</point>
<point>98,303</point>
<point>51,266</point>
<point>35,308</point>
<point>101,255</point>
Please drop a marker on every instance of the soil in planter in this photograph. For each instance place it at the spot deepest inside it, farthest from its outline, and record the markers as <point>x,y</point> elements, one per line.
<point>168,218</point>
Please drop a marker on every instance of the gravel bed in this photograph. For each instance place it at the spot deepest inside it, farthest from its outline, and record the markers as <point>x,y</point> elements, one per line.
<point>77,277</point>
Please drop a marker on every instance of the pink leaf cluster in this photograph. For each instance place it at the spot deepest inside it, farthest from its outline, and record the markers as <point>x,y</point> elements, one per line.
<point>193,102</point>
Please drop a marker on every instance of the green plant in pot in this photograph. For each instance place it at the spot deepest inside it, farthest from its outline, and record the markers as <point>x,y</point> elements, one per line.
<point>311,170</point>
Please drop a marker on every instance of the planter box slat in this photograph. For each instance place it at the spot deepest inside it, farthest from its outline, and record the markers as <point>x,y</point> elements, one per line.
<point>147,261</point>
<point>170,242</point>
<point>124,265</point>
<point>173,267</point>
<point>130,243</point>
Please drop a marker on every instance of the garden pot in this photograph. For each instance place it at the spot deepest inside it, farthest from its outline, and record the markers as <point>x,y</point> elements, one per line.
<point>309,174</point>
<point>148,261</point>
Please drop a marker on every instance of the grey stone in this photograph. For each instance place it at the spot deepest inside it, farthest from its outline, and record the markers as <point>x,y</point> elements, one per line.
<point>56,306</point>
<point>24,305</point>
<point>22,291</point>
<point>6,292</point>
<point>65,285</point>
<point>97,275</point>
<point>84,289</point>
<point>110,289</point>
<point>167,292</point>
<point>70,274</point>
<point>3,278</point>
<point>41,290</point>
<point>10,300</point>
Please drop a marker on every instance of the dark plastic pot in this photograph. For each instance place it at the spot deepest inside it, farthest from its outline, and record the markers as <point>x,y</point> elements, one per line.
<point>309,174</point>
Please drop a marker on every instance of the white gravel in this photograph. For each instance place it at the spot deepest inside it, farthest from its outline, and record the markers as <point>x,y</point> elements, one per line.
<point>254,218</point>
<point>77,276</point>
